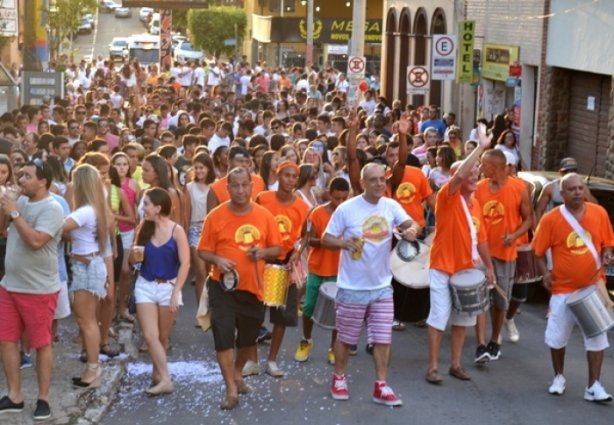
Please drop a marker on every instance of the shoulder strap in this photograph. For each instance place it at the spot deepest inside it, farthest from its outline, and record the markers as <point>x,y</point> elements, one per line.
<point>474,237</point>
<point>581,233</point>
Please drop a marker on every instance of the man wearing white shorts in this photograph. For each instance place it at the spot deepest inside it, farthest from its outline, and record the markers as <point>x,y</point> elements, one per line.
<point>581,240</point>
<point>460,242</point>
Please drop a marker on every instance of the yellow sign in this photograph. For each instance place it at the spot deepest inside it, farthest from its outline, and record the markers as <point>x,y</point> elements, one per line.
<point>496,61</point>
<point>466,31</point>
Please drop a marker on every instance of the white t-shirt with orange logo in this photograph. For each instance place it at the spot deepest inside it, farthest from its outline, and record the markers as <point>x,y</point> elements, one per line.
<point>374,224</point>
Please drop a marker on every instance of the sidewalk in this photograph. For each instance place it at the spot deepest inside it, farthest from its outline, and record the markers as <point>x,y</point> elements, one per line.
<point>68,404</point>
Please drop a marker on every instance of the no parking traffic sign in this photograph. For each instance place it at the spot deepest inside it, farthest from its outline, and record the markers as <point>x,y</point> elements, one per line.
<point>418,79</point>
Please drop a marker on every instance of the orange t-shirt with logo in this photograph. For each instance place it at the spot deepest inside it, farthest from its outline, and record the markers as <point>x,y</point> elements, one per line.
<point>451,248</point>
<point>573,264</point>
<point>322,261</point>
<point>501,212</point>
<point>411,192</point>
<point>230,235</point>
<point>220,188</point>
<point>289,218</point>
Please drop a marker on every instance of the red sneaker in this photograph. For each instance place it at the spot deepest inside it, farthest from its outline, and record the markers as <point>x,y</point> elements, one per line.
<point>339,387</point>
<point>383,394</point>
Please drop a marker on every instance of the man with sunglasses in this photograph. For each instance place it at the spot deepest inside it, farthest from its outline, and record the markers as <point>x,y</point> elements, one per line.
<point>29,289</point>
<point>74,131</point>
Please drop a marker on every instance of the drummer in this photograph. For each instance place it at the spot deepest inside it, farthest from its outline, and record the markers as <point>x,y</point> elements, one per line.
<point>578,258</point>
<point>322,264</point>
<point>363,227</point>
<point>453,251</point>
<point>506,209</point>
<point>237,236</point>
<point>290,212</point>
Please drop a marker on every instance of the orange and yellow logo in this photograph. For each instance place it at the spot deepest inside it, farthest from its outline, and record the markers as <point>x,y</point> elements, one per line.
<point>493,212</point>
<point>247,236</point>
<point>284,225</point>
<point>575,244</point>
<point>406,193</point>
<point>476,223</point>
<point>375,228</point>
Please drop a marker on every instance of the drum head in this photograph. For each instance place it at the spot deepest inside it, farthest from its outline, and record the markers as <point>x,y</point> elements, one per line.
<point>467,278</point>
<point>407,250</point>
<point>415,273</point>
<point>329,289</point>
<point>229,280</point>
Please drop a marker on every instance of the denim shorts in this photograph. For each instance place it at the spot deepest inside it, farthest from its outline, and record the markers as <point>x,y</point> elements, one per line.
<point>90,277</point>
<point>194,232</point>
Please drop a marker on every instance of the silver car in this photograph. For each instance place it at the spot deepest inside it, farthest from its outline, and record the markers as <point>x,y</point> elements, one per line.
<point>118,48</point>
<point>123,12</point>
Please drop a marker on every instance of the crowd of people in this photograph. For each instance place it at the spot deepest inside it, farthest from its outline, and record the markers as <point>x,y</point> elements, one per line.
<point>234,178</point>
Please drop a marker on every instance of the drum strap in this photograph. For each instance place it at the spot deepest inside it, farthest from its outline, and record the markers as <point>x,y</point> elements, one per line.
<point>581,233</point>
<point>474,237</point>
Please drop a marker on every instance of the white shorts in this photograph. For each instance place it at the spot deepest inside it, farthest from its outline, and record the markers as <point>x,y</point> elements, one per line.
<point>561,323</point>
<point>127,238</point>
<point>62,309</point>
<point>441,304</point>
<point>154,292</point>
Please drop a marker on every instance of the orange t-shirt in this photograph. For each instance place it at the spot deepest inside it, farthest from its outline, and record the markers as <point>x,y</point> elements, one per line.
<point>501,212</point>
<point>230,235</point>
<point>451,247</point>
<point>573,264</point>
<point>289,218</point>
<point>220,188</point>
<point>411,193</point>
<point>322,261</point>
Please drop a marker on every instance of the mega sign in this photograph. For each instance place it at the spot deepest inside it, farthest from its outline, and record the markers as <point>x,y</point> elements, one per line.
<point>325,30</point>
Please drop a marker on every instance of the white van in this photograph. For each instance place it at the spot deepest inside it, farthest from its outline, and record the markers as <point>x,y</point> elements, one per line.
<point>154,25</point>
<point>145,48</point>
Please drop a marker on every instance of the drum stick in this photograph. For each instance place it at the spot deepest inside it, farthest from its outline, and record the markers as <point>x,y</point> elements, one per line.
<point>501,292</point>
<point>258,279</point>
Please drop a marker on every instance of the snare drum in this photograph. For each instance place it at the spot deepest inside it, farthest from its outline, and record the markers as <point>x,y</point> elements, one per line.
<point>409,263</point>
<point>591,311</point>
<point>275,285</point>
<point>526,266</point>
<point>469,291</point>
<point>324,311</point>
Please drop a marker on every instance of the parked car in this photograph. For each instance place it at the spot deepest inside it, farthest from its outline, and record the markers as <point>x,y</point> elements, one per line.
<point>118,48</point>
<point>601,188</point>
<point>154,24</point>
<point>90,18</point>
<point>123,12</point>
<point>176,40</point>
<point>108,6</point>
<point>145,14</point>
<point>185,51</point>
<point>85,26</point>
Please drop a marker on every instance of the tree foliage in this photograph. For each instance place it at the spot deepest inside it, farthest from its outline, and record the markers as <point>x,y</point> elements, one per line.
<point>64,20</point>
<point>210,27</point>
<point>180,20</point>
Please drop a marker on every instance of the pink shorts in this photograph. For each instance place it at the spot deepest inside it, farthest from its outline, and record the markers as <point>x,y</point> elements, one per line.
<point>378,315</point>
<point>30,312</point>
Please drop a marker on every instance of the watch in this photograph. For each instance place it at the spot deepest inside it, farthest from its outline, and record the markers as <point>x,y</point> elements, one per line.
<point>14,214</point>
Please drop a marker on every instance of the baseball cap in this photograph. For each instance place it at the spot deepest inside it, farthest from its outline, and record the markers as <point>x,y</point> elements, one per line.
<point>568,164</point>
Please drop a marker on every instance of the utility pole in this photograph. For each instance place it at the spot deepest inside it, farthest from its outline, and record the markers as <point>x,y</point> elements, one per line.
<point>357,44</point>
<point>309,47</point>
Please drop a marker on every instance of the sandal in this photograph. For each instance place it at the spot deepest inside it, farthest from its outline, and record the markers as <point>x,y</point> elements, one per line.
<point>108,351</point>
<point>230,402</point>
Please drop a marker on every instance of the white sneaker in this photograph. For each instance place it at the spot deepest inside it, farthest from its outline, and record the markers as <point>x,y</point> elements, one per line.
<point>251,368</point>
<point>596,393</point>
<point>274,371</point>
<point>512,331</point>
<point>558,385</point>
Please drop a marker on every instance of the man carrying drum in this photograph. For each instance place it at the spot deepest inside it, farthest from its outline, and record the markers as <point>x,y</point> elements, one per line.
<point>290,212</point>
<point>322,264</point>
<point>459,243</point>
<point>506,209</point>
<point>580,235</point>
<point>236,238</point>
<point>363,228</point>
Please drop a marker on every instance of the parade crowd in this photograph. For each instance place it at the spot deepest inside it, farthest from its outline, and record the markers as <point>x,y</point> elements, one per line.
<point>255,188</point>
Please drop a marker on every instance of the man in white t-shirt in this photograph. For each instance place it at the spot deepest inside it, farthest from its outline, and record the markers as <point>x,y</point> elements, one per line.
<point>214,77</point>
<point>221,137</point>
<point>245,81</point>
<point>199,74</point>
<point>363,228</point>
<point>186,76</point>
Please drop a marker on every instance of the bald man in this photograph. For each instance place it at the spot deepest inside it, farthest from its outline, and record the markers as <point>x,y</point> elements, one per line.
<point>363,228</point>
